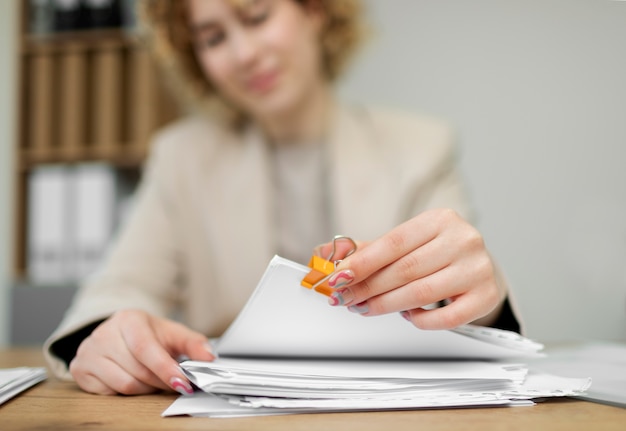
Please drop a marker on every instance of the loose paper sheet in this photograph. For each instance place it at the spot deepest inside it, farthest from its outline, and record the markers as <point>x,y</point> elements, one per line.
<point>284,319</point>
<point>604,362</point>
<point>15,380</point>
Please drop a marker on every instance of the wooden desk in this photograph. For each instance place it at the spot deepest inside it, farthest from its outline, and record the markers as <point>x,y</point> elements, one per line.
<point>55,405</point>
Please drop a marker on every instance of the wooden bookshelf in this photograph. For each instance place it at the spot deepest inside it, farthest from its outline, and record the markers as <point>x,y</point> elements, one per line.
<point>91,95</point>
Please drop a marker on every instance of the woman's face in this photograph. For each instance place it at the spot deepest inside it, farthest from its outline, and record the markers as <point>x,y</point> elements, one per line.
<point>263,57</point>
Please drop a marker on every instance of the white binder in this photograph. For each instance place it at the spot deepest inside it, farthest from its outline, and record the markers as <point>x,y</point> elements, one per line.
<point>49,223</point>
<point>95,210</point>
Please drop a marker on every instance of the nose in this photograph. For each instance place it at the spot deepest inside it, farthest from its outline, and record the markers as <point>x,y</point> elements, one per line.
<point>244,47</point>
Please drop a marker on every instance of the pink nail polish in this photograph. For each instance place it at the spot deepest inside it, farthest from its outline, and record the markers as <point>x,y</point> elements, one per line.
<point>360,308</point>
<point>406,315</point>
<point>341,278</point>
<point>181,386</point>
<point>341,296</point>
<point>209,349</point>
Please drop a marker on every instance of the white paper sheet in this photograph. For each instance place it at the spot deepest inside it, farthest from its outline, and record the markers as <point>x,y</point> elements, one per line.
<point>284,319</point>
<point>372,369</point>
<point>15,380</point>
<point>604,362</point>
<point>202,404</point>
<point>349,378</point>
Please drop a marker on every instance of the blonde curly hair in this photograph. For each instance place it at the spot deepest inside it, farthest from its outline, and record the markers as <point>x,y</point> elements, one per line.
<point>166,31</point>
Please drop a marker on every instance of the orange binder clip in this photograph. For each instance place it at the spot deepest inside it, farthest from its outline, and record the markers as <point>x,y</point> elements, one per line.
<point>322,269</point>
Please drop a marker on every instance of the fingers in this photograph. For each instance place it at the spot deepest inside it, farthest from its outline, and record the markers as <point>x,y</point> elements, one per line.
<point>392,246</point>
<point>107,378</point>
<point>465,309</point>
<point>407,252</point>
<point>93,385</point>
<point>132,353</point>
<point>87,381</point>
<point>140,335</point>
<point>468,274</point>
<point>418,264</point>
<point>104,365</point>
<point>433,257</point>
<point>181,340</point>
<point>342,247</point>
<point>416,294</point>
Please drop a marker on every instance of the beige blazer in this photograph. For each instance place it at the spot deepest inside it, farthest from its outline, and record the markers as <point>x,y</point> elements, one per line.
<point>201,233</point>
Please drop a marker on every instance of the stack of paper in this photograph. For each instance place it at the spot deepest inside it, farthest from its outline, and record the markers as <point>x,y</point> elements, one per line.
<point>289,352</point>
<point>244,387</point>
<point>15,380</point>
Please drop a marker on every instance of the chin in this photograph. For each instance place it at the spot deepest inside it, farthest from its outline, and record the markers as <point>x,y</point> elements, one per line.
<point>274,104</point>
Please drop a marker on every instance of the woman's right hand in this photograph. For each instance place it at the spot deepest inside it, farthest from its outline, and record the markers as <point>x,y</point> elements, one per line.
<point>132,352</point>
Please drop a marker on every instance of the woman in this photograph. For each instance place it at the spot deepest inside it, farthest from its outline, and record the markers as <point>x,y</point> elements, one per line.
<point>277,167</point>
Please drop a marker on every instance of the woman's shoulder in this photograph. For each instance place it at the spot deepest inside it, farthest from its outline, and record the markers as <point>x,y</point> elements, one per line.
<point>195,144</point>
<point>410,124</point>
<point>192,131</point>
<point>405,132</point>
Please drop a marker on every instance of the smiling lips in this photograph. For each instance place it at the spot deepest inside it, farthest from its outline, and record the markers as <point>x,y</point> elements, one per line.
<point>262,83</point>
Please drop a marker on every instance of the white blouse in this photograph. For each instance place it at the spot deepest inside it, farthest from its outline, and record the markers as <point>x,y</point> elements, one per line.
<point>302,205</point>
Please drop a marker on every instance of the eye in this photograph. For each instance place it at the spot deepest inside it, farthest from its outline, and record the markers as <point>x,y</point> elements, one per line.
<point>213,40</point>
<point>209,38</point>
<point>257,12</point>
<point>257,18</point>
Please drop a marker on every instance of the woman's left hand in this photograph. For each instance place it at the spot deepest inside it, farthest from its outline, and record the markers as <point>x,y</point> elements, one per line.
<point>436,256</point>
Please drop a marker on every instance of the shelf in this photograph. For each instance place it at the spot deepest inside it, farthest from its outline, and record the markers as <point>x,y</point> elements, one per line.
<point>98,101</point>
<point>83,96</point>
<point>81,40</point>
<point>127,158</point>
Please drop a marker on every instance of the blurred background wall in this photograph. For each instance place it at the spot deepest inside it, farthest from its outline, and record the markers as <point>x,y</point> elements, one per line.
<point>8,118</point>
<point>537,92</point>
